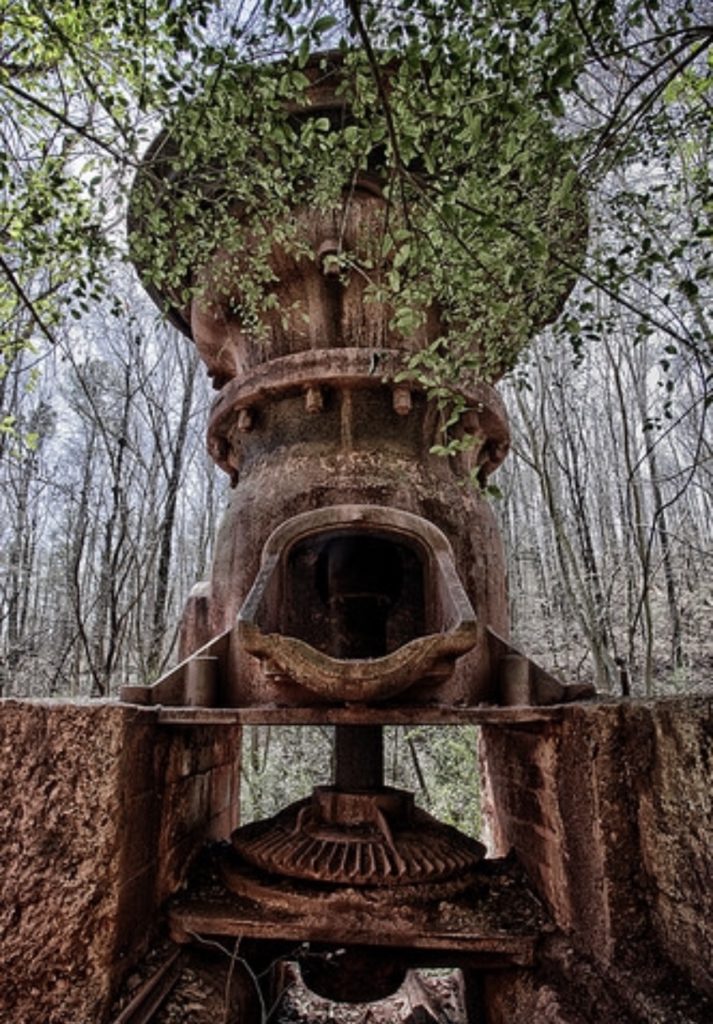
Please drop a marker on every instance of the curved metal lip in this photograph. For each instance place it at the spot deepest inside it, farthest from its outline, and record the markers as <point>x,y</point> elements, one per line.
<point>360,679</point>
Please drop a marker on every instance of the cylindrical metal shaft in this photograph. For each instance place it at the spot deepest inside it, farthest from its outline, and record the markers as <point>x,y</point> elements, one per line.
<point>359,760</point>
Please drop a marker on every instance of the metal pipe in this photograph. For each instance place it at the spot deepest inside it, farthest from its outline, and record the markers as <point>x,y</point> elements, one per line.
<point>359,757</point>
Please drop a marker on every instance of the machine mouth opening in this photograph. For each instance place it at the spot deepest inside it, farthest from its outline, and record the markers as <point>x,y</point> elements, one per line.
<point>355,593</point>
<point>357,602</point>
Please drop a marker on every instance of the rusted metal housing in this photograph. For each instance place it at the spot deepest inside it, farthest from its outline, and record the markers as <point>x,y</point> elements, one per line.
<point>357,574</point>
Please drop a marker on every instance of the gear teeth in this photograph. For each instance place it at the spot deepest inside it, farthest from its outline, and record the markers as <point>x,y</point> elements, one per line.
<point>296,844</point>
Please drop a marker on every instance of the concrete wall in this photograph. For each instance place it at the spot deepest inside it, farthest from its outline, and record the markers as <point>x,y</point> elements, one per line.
<point>611,812</point>
<point>101,811</point>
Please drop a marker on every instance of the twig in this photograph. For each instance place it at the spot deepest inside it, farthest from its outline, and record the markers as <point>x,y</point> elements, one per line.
<point>26,300</point>
<point>152,993</point>
<point>234,958</point>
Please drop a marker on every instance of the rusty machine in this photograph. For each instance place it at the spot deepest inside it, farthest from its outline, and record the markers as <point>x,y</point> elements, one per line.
<point>357,582</point>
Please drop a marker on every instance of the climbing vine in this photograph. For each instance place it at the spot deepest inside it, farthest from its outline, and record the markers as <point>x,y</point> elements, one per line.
<point>484,216</point>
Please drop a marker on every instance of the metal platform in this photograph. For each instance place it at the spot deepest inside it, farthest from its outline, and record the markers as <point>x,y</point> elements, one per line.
<point>361,715</point>
<point>497,922</point>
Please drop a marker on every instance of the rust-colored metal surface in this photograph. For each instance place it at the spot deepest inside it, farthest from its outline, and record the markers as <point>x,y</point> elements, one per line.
<point>360,839</point>
<point>358,575</point>
<point>319,411</point>
<point>526,693</point>
<point>382,715</point>
<point>322,408</point>
<point>356,603</point>
<point>319,378</point>
<point>496,921</point>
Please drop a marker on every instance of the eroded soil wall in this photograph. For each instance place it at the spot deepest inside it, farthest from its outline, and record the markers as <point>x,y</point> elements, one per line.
<point>101,810</point>
<point>611,812</point>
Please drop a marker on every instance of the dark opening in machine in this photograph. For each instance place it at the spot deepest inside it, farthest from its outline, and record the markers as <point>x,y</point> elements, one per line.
<point>357,602</point>
<point>354,593</point>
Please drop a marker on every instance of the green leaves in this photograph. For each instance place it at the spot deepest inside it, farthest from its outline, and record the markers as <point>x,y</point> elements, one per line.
<point>451,114</point>
<point>74,80</point>
<point>323,25</point>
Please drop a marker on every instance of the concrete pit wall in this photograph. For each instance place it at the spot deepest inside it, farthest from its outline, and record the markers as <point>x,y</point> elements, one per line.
<point>101,811</point>
<point>610,810</point>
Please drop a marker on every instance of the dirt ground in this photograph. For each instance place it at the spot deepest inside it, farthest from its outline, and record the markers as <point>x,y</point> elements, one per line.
<point>208,989</point>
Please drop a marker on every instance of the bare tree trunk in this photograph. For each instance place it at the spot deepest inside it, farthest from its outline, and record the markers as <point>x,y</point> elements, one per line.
<point>661,525</point>
<point>581,598</point>
<point>158,624</point>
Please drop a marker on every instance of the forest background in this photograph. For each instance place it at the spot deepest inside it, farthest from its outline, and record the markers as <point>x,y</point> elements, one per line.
<point>109,503</point>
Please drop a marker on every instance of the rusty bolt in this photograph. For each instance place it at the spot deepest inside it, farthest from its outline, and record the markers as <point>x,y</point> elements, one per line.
<point>314,400</point>
<point>329,258</point>
<point>402,400</point>
<point>245,421</point>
